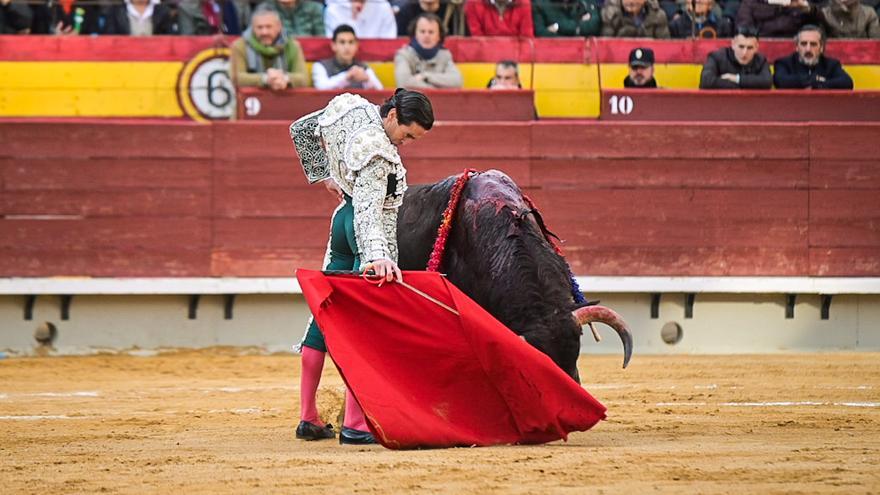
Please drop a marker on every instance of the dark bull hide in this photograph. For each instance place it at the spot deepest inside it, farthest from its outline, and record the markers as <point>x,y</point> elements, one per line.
<point>497,255</point>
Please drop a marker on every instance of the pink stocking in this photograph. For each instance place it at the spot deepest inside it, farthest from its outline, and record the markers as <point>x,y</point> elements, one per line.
<point>354,415</point>
<point>312,366</point>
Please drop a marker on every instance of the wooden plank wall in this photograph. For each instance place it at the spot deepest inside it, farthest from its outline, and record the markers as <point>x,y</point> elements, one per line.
<point>227,199</point>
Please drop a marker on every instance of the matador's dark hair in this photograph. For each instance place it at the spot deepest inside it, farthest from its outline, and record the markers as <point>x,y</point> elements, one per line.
<point>411,106</point>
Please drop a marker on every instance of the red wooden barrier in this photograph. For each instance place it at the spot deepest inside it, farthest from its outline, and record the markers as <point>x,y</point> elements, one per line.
<point>229,199</point>
<point>742,105</point>
<point>459,105</point>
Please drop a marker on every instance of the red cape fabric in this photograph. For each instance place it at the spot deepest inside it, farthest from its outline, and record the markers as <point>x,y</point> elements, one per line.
<point>426,377</point>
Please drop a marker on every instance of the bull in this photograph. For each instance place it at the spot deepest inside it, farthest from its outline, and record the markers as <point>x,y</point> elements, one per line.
<point>497,253</point>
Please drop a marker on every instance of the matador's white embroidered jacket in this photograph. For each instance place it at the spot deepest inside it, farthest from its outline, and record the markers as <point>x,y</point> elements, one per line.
<point>358,155</point>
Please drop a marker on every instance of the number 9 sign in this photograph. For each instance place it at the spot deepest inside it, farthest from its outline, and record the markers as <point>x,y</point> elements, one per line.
<point>204,88</point>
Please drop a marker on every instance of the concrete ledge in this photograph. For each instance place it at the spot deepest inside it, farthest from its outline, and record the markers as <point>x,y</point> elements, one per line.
<point>278,285</point>
<point>732,285</point>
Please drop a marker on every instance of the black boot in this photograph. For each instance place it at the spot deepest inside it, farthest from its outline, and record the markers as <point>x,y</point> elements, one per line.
<point>311,431</point>
<point>350,436</point>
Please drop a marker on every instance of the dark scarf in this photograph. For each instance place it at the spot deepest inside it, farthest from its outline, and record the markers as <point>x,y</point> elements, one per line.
<point>425,53</point>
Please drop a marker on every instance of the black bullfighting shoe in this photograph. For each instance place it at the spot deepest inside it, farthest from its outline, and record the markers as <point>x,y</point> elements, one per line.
<point>350,436</point>
<point>311,431</point>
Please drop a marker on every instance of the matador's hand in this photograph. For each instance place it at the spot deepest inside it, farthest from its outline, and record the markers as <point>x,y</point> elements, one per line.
<point>384,268</point>
<point>334,188</point>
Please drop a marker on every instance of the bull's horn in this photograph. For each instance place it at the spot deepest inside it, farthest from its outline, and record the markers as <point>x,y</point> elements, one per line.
<point>589,314</point>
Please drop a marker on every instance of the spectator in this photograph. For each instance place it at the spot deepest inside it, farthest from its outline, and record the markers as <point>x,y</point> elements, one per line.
<point>266,57</point>
<point>808,67</point>
<point>700,20</point>
<point>299,17</point>
<point>204,17</point>
<point>847,19</point>
<point>370,19</point>
<point>343,70</point>
<point>424,63</point>
<point>641,69</point>
<point>566,18</point>
<point>874,4</point>
<point>772,18</point>
<point>634,19</point>
<point>15,17</point>
<point>408,12</point>
<point>66,18</point>
<point>139,18</point>
<point>499,18</point>
<point>506,76</point>
<point>738,66</point>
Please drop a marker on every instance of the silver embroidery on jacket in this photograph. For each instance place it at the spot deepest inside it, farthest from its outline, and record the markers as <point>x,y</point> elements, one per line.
<point>360,158</point>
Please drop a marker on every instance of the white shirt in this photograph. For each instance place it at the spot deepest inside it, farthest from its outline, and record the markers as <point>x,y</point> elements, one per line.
<point>340,81</point>
<point>376,20</point>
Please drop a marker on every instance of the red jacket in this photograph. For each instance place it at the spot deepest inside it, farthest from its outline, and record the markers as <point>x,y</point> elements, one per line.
<point>483,19</point>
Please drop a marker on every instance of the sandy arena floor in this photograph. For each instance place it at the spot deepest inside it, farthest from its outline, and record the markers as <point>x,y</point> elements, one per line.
<point>218,422</point>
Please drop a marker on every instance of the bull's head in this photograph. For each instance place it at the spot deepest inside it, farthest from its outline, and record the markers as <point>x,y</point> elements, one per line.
<point>559,337</point>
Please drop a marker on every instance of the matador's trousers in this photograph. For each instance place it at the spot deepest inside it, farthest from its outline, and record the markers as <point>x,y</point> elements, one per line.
<point>342,254</point>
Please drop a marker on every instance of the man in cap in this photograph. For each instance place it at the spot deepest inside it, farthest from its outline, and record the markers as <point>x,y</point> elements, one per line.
<point>641,69</point>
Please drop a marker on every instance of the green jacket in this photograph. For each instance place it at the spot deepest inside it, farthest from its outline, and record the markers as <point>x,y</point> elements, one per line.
<point>306,18</point>
<point>574,17</point>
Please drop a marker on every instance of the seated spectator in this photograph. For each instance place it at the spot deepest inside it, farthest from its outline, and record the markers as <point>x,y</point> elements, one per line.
<point>370,19</point>
<point>139,18</point>
<point>566,18</point>
<point>641,69</point>
<point>738,66</point>
<point>506,76</point>
<point>700,20</point>
<point>808,67</point>
<point>66,18</point>
<point>15,17</point>
<point>499,18</point>
<point>299,17</point>
<point>847,19</point>
<point>343,70</point>
<point>266,57</point>
<point>424,63</point>
<point>772,18</point>
<point>450,12</point>
<point>408,11</point>
<point>634,19</point>
<point>204,17</point>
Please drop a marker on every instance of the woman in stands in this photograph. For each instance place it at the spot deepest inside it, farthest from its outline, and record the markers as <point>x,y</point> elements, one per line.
<point>351,145</point>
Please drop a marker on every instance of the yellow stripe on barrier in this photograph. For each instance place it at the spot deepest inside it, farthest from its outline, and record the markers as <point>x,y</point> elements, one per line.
<point>864,76</point>
<point>149,89</point>
<point>89,89</point>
